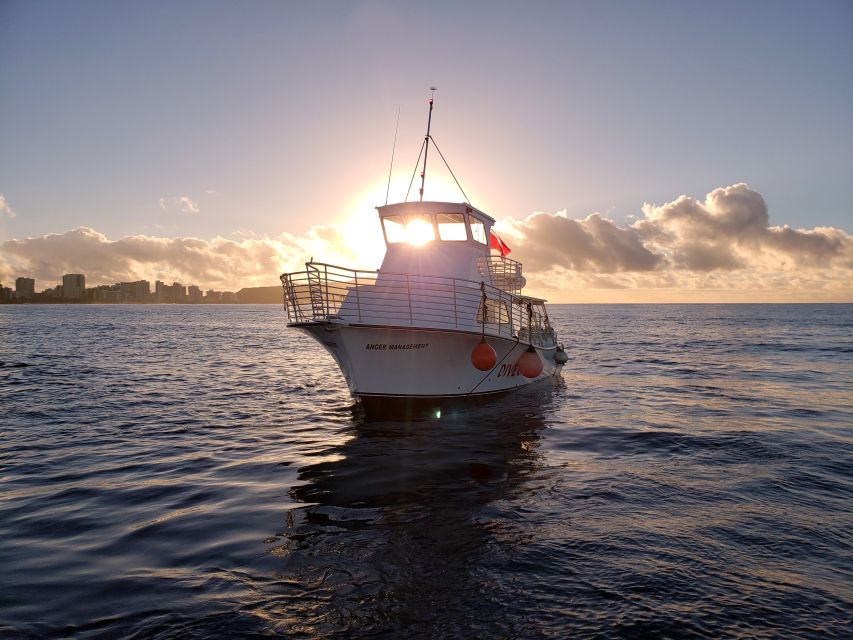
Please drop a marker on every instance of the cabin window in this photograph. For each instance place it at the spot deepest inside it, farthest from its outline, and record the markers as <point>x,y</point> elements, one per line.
<point>478,230</point>
<point>394,230</point>
<point>496,312</point>
<point>451,226</point>
<point>419,229</point>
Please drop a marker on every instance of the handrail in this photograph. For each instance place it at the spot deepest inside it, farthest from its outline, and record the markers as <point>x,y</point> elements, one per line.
<point>504,273</point>
<point>324,292</point>
<point>357,300</point>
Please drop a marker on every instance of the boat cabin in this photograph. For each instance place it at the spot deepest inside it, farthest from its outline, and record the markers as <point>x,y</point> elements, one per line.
<point>435,238</point>
<point>438,272</point>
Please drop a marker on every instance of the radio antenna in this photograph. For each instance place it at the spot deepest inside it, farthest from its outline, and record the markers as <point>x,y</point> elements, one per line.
<point>393,148</point>
<point>426,141</point>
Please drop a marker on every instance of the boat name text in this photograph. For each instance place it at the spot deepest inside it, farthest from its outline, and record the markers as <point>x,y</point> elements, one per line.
<point>508,370</point>
<point>382,346</point>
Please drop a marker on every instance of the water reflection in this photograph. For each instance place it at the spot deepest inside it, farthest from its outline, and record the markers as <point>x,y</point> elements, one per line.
<point>397,524</point>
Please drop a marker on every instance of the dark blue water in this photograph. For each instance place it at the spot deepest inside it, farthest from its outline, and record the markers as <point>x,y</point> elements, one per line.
<point>200,472</point>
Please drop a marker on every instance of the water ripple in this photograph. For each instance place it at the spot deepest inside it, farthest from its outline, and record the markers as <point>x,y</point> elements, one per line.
<point>184,471</point>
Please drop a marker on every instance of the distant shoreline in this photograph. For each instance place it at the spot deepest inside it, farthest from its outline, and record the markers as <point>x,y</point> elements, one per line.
<point>134,303</point>
<point>95,295</point>
<point>574,304</point>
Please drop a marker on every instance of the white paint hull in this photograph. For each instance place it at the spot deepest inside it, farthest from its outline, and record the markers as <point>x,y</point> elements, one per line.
<point>421,363</point>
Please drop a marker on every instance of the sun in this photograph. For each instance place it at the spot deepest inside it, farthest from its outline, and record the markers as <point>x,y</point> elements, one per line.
<point>362,228</point>
<point>419,232</point>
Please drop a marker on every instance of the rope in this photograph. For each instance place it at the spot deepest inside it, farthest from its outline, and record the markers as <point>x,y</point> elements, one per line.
<point>495,367</point>
<point>483,321</point>
<point>485,306</point>
<point>417,162</point>
<point>393,149</point>
<point>450,170</point>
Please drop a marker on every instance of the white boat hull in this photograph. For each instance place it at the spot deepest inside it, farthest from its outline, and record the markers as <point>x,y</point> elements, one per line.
<point>387,362</point>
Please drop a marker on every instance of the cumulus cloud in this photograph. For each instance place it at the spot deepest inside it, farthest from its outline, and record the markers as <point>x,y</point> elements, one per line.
<point>719,248</point>
<point>731,230</point>
<point>184,204</point>
<point>591,244</point>
<point>220,263</point>
<point>725,242</point>
<point>5,209</point>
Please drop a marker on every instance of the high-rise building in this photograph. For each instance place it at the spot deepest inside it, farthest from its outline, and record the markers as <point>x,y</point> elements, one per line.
<point>73,285</point>
<point>143,290</point>
<point>179,292</point>
<point>25,288</point>
<point>104,293</point>
<point>162,293</point>
<point>52,293</point>
<point>138,291</point>
<point>194,294</point>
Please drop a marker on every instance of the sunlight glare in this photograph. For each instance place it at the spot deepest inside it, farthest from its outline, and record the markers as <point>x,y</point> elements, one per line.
<point>363,234</point>
<point>419,232</point>
<point>362,227</point>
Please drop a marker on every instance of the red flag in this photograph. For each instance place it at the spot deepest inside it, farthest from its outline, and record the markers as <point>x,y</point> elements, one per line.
<point>498,245</point>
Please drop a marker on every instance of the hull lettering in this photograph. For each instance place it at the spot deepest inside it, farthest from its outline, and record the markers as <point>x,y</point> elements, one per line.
<point>507,370</point>
<point>382,346</point>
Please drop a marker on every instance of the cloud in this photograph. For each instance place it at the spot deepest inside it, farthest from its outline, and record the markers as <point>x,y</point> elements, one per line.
<point>724,243</point>
<point>731,230</point>
<point>5,209</point>
<point>220,263</point>
<point>184,204</point>
<point>722,248</point>
<point>591,244</point>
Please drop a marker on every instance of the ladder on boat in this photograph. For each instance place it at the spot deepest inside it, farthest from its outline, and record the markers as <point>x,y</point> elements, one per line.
<point>315,290</point>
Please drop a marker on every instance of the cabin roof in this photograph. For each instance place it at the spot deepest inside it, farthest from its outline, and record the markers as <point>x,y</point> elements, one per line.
<point>431,207</point>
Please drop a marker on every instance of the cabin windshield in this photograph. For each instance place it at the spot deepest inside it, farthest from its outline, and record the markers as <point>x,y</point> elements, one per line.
<point>478,230</point>
<point>451,227</point>
<point>415,228</point>
<point>395,231</point>
<point>419,228</point>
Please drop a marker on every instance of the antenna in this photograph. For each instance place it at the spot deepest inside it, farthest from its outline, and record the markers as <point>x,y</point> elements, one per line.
<point>393,148</point>
<point>423,152</point>
<point>426,141</point>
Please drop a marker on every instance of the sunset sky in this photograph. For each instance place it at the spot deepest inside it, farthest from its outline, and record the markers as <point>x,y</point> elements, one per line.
<point>632,151</point>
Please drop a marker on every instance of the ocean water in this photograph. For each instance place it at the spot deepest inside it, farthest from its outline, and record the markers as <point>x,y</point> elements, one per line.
<point>201,472</point>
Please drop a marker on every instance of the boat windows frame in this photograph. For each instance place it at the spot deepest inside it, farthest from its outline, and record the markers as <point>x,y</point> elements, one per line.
<point>468,216</point>
<point>486,229</point>
<point>464,225</point>
<point>385,233</point>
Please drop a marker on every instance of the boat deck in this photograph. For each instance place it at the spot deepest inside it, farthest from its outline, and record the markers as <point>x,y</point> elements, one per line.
<point>328,293</point>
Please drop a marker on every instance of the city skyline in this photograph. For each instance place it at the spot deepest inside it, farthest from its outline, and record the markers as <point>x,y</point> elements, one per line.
<point>138,143</point>
<point>73,289</point>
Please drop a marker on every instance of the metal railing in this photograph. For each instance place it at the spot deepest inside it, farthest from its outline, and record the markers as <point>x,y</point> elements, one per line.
<point>327,293</point>
<point>504,273</point>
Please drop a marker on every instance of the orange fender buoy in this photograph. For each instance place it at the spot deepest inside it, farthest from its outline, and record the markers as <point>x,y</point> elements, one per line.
<point>483,356</point>
<point>530,364</point>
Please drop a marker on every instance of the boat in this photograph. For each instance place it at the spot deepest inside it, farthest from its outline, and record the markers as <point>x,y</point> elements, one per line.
<point>443,321</point>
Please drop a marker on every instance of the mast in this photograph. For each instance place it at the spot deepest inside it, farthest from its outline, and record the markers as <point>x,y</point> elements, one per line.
<point>426,142</point>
